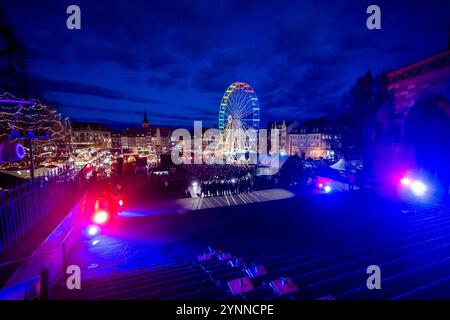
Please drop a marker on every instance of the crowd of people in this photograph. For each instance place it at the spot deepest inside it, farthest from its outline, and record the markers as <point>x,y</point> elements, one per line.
<point>177,181</point>
<point>226,186</point>
<point>204,180</point>
<point>217,180</point>
<point>210,179</point>
<point>205,172</point>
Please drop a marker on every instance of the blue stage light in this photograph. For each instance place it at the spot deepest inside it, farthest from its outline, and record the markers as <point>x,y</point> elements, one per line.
<point>418,188</point>
<point>92,230</point>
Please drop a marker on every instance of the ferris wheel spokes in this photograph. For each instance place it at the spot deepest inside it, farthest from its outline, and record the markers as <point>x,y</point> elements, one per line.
<point>239,118</point>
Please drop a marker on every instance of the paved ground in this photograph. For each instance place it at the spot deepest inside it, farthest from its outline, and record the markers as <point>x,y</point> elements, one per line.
<point>323,243</point>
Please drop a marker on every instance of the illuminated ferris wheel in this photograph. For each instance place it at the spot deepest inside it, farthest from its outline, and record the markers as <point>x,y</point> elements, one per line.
<point>239,108</point>
<point>239,121</point>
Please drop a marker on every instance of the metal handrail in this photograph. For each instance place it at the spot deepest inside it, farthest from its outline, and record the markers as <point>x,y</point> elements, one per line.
<point>61,247</point>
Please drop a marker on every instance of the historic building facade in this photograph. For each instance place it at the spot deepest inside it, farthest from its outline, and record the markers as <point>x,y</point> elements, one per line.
<point>406,87</point>
<point>282,130</point>
<point>146,139</point>
<point>407,84</point>
<point>316,139</point>
<point>91,134</point>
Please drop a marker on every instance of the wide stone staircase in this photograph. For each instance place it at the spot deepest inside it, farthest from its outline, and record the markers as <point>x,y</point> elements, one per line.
<point>416,265</point>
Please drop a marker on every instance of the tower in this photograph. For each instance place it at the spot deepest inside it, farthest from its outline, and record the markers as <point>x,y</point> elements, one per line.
<point>145,123</point>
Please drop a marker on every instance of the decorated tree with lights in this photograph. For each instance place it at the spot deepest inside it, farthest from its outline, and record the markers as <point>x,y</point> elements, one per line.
<point>40,119</point>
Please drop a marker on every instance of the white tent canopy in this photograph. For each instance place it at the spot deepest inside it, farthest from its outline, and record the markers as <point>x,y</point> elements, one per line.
<point>342,165</point>
<point>269,164</point>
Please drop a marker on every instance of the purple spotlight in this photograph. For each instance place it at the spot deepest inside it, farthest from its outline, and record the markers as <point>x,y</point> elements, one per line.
<point>20,151</point>
<point>11,151</point>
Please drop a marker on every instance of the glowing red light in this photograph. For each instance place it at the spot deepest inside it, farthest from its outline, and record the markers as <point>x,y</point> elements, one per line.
<point>323,181</point>
<point>120,202</point>
<point>100,217</point>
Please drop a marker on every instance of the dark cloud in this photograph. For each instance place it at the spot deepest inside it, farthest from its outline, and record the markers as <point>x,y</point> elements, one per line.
<point>299,55</point>
<point>136,115</point>
<point>65,86</point>
<point>401,48</point>
<point>161,60</point>
<point>160,82</point>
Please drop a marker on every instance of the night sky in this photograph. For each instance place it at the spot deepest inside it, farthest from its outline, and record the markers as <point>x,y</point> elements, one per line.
<point>175,58</point>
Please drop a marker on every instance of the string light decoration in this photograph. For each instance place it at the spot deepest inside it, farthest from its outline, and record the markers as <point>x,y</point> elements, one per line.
<point>40,119</point>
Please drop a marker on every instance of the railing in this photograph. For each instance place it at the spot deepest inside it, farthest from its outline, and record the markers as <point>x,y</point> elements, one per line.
<point>38,272</point>
<point>25,205</point>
